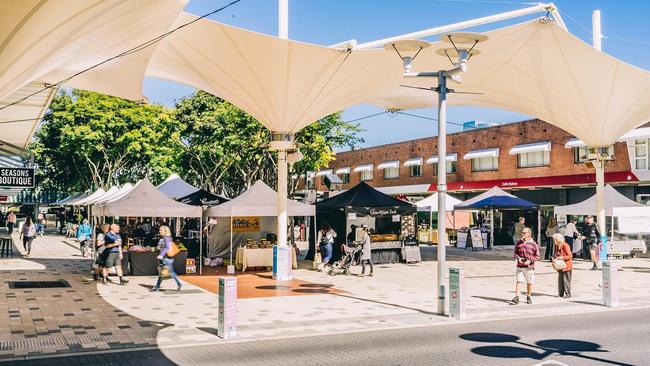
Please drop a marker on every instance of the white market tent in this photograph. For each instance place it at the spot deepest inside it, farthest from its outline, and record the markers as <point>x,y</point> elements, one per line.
<point>145,200</point>
<point>115,195</point>
<point>613,199</point>
<point>259,200</point>
<point>81,201</point>
<point>94,198</point>
<point>633,220</point>
<point>175,187</point>
<point>430,204</point>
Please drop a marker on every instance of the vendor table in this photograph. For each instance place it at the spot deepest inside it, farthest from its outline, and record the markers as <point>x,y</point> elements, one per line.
<point>146,263</point>
<point>258,257</point>
<point>386,252</point>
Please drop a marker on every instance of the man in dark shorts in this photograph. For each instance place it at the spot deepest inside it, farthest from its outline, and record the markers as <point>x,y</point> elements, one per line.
<point>112,255</point>
<point>591,239</point>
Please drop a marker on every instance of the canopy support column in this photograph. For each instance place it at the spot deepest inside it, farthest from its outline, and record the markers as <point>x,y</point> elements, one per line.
<point>600,195</point>
<point>442,191</point>
<point>282,142</point>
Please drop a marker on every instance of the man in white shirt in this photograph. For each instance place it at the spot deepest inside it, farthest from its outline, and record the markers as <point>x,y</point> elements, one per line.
<point>570,231</point>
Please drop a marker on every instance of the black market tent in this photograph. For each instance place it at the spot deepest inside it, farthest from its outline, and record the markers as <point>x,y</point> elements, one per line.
<point>361,199</point>
<point>202,198</point>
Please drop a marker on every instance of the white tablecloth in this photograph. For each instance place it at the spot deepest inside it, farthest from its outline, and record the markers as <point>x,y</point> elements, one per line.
<point>247,257</point>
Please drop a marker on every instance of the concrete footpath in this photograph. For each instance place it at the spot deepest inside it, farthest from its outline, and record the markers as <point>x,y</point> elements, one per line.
<point>90,316</point>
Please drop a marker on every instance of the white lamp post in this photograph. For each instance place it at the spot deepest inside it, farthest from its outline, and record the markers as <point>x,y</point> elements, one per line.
<point>462,50</point>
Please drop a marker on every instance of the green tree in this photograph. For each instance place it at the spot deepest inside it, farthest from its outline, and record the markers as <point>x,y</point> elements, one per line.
<point>91,140</point>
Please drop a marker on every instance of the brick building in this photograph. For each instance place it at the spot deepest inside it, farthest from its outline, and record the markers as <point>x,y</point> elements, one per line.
<point>533,159</point>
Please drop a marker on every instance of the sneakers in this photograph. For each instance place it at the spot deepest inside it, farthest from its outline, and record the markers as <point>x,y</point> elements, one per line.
<point>104,281</point>
<point>529,300</point>
<point>594,268</point>
<point>567,296</point>
<point>154,289</point>
<point>179,288</point>
<point>515,300</point>
<point>370,275</point>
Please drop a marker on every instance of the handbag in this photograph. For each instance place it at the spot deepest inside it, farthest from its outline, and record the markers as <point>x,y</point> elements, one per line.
<point>173,250</point>
<point>163,271</point>
<point>559,264</point>
<point>317,260</point>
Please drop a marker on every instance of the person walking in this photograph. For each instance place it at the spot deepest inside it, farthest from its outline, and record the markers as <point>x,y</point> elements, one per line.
<point>325,240</point>
<point>571,234</point>
<point>551,230</point>
<point>112,255</point>
<point>366,252</point>
<point>526,254</point>
<point>40,223</point>
<point>84,237</point>
<point>590,240</point>
<point>100,245</point>
<point>164,245</point>
<point>519,227</point>
<point>27,234</point>
<point>563,252</point>
<point>11,222</point>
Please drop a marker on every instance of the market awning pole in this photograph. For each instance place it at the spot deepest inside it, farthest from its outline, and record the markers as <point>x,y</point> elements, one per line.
<point>201,240</point>
<point>491,228</point>
<point>431,224</point>
<point>600,162</point>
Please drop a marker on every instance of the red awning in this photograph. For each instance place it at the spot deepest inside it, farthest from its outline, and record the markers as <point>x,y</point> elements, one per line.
<point>552,181</point>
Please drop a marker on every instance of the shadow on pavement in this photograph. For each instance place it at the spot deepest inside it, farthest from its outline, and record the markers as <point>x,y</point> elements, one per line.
<point>538,351</point>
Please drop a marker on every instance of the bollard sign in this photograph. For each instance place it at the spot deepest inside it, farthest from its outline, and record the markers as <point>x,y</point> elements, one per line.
<point>456,293</point>
<point>17,177</point>
<point>227,324</point>
<point>610,284</point>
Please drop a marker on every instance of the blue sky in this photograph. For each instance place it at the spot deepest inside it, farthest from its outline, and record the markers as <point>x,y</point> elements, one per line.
<point>330,21</point>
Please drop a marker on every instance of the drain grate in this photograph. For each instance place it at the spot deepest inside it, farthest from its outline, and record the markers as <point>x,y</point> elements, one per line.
<point>38,284</point>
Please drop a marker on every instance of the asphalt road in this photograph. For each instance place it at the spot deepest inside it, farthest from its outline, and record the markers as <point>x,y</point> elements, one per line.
<point>608,338</point>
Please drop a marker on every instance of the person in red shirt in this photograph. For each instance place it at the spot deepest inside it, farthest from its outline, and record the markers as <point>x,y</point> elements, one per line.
<point>526,254</point>
<point>563,250</point>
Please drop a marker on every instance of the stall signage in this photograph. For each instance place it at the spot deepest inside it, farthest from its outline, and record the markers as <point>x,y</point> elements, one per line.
<point>4,198</point>
<point>610,284</point>
<point>396,218</point>
<point>190,266</point>
<point>461,240</point>
<point>282,270</point>
<point>602,248</point>
<point>244,224</point>
<point>227,325</point>
<point>383,211</point>
<point>456,293</point>
<point>17,177</point>
<point>352,216</point>
<point>477,238</point>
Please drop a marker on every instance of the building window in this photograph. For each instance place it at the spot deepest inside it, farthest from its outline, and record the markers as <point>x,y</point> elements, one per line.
<point>533,159</point>
<point>640,150</point>
<point>391,173</point>
<point>345,177</point>
<point>416,170</point>
<point>366,175</point>
<point>485,164</point>
<point>579,153</point>
<point>451,167</point>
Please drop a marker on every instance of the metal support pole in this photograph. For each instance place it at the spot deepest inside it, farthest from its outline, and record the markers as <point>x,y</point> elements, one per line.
<point>442,190</point>
<point>283,19</point>
<point>491,229</point>
<point>597,37</point>
<point>201,241</point>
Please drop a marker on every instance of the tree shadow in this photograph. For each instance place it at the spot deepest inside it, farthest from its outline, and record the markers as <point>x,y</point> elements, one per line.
<point>538,351</point>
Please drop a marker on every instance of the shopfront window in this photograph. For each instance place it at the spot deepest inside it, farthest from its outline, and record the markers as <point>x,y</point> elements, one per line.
<point>416,170</point>
<point>391,173</point>
<point>451,167</point>
<point>366,175</point>
<point>579,154</point>
<point>485,164</point>
<point>533,159</point>
<point>345,177</point>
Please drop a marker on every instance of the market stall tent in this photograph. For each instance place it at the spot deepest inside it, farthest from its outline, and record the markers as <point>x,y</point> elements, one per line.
<point>588,207</point>
<point>175,187</point>
<point>455,220</point>
<point>202,198</point>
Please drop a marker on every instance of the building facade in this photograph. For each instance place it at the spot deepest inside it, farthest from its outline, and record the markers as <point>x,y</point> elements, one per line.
<point>533,159</point>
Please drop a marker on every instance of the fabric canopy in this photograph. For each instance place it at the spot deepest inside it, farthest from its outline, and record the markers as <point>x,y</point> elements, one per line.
<point>431,203</point>
<point>202,198</point>
<point>259,200</point>
<point>363,198</point>
<point>115,195</point>
<point>496,199</point>
<point>82,201</point>
<point>175,187</point>
<point>633,220</point>
<point>70,198</point>
<point>588,207</point>
<point>145,200</point>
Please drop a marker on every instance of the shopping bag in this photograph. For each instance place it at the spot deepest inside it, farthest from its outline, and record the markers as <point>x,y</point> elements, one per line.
<point>163,271</point>
<point>317,260</point>
<point>559,264</point>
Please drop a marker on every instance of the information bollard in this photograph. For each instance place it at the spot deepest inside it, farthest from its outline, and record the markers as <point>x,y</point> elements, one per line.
<point>456,293</point>
<point>610,284</point>
<point>282,270</point>
<point>227,327</point>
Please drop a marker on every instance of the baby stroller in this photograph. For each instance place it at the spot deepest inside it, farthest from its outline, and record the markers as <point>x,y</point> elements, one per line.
<point>343,265</point>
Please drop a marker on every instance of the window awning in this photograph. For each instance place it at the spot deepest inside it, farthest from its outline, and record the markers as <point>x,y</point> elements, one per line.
<point>388,164</point>
<point>363,168</point>
<point>636,134</point>
<point>345,170</point>
<point>449,157</point>
<point>534,147</point>
<point>485,153</point>
<point>324,172</point>
<point>413,161</point>
<point>574,142</point>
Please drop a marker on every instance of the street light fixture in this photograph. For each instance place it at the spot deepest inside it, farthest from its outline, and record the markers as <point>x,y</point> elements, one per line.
<point>463,49</point>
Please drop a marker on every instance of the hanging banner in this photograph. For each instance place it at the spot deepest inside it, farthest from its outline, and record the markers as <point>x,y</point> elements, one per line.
<point>244,224</point>
<point>17,177</point>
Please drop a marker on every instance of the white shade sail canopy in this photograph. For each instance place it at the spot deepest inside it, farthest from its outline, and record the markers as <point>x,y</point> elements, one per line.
<point>145,200</point>
<point>259,200</point>
<point>430,204</point>
<point>588,207</point>
<point>532,147</point>
<point>175,187</point>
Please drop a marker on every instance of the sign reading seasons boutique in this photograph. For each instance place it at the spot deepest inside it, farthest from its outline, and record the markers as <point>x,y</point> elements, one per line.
<point>17,177</point>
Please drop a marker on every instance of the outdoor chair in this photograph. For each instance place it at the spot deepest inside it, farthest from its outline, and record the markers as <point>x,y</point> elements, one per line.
<point>6,246</point>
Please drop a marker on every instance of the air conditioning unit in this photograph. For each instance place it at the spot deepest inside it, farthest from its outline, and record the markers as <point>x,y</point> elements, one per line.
<point>333,182</point>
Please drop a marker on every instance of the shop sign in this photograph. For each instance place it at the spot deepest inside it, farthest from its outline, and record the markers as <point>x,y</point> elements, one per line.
<point>17,177</point>
<point>190,266</point>
<point>396,218</point>
<point>4,198</point>
<point>477,238</point>
<point>352,216</point>
<point>242,224</point>
<point>456,293</point>
<point>610,284</point>
<point>602,248</point>
<point>227,324</point>
<point>383,211</point>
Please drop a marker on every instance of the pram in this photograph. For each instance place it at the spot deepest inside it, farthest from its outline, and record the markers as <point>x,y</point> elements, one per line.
<point>343,265</point>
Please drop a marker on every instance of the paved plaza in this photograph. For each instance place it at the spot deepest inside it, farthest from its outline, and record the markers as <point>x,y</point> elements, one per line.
<point>89,316</point>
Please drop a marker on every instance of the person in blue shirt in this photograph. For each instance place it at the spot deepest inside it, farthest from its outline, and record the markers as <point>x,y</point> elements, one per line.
<point>112,255</point>
<point>164,244</point>
<point>84,237</point>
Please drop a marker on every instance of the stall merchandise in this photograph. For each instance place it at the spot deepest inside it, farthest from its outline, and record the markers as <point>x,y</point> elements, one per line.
<point>258,257</point>
<point>455,220</point>
<point>364,205</point>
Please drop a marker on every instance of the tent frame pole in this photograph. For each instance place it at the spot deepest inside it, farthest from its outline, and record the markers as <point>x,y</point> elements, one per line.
<point>491,229</point>
<point>201,240</point>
